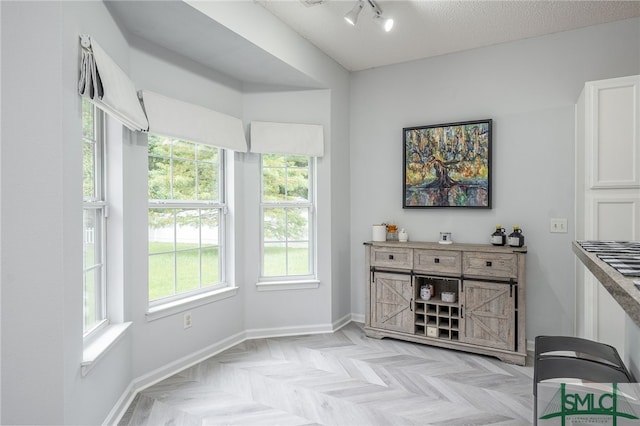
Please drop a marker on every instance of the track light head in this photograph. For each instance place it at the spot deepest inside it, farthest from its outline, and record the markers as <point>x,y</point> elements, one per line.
<point>387,23</point>
<point>352,16</point>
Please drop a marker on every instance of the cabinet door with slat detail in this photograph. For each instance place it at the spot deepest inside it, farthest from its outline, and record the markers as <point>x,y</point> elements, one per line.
<point>392,296</point>
<point>488,314</point>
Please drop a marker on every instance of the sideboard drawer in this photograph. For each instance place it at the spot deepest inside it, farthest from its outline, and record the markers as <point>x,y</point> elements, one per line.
<point>437,261</point>
<point>392,257</point>
<point>491,265</point>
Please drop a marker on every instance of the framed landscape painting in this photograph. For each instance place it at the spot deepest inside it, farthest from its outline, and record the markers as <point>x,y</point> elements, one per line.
<point>447,165</point>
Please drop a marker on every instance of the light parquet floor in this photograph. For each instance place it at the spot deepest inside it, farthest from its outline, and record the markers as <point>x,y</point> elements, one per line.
<point>341,378</point>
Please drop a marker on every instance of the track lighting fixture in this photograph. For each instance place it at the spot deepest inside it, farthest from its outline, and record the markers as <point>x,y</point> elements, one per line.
<point>352,16</point>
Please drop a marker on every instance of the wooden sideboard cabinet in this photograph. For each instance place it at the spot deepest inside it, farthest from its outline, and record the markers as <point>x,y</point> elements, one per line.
<point>486,314</point>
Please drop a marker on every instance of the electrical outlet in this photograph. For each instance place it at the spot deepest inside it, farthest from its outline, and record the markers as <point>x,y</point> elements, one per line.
<point>558,225</point>
<point>187,320</point>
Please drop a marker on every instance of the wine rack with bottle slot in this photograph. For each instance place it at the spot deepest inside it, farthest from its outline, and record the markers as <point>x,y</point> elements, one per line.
<point>433,316</point>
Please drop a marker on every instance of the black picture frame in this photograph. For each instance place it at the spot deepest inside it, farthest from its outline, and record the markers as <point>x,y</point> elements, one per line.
<point>447,165</point>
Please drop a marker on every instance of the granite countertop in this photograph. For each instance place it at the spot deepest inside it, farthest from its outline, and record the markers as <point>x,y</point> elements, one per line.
<point>619,286</point>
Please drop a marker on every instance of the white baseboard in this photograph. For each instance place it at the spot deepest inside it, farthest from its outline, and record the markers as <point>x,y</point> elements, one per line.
<point>357,318</point>
<point>121,406</point>
<point>139,384</point>
<point>531,346</point>
<point>263,333</point>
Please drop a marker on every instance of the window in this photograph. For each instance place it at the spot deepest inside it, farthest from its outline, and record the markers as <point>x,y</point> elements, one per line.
<point>186,219</point>
<point>94,217</point>
<point>287,208</point>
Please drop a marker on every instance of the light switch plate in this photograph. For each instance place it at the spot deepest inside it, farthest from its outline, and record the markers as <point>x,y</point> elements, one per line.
<point>558,225</point>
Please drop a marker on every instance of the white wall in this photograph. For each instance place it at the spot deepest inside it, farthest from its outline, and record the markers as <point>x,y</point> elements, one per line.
<point>339,153</point>
<point>40,287</point>
<point>162,341</point>
<point>529,88</point>
<point>298,308</point>
<point>42,207</point>
<point>94,394</point>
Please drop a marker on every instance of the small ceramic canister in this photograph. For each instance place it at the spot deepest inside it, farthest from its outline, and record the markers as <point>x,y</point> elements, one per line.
<point>379,233</point>
<point>403,236</point>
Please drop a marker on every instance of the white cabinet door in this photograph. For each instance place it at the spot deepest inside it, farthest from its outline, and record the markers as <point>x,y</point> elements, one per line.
<point>607,193</point>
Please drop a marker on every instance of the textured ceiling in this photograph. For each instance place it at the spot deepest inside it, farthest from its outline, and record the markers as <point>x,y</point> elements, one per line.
<point>425,28</point>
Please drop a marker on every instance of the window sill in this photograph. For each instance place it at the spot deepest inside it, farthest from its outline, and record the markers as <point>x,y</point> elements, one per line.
<point>287,285</point>
<point>177,306</point>
<point>101,344</point>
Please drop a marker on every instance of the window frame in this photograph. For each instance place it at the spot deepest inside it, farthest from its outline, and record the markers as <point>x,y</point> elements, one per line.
<point>98,203</point>
<point>222,209</point>
<point>310,279</point>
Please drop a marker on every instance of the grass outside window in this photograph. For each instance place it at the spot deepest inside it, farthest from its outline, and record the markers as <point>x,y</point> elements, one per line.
<point>186,218</point>
<point>163,265</point>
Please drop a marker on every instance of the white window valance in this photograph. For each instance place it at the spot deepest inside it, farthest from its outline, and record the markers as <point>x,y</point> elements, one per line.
<point>174,118</point>
<point>287,138</point>
<point>104,83</point>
